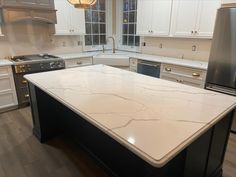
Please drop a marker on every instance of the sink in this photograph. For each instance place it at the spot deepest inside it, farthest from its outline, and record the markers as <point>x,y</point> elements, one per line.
<point>111,59</point>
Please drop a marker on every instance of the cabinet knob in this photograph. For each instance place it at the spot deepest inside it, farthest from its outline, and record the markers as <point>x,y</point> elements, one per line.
<point>195,74</point>
<point>79,63</point>
<point>168,69</point>
<point>192,32</point>
<point>179,81</point>
<point>27,96</point>
<point>196,32</point>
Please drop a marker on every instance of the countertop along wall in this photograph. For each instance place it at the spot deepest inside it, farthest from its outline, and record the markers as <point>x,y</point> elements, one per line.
<point>35,37</point>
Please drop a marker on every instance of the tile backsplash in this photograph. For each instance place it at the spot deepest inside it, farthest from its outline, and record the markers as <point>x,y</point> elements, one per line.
<point>194,49</point>
<point>35,37</point>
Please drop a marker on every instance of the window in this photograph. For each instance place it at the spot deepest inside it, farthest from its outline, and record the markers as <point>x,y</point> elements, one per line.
<point>95,22</point>
<point>129,24</point>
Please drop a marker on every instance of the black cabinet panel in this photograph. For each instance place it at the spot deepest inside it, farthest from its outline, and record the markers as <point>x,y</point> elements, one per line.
<point>197,153</point>
<point>218,145</point>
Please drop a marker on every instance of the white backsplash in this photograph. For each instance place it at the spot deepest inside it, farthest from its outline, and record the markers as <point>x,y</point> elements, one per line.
<point>178,48</point>
<point>34,37</point>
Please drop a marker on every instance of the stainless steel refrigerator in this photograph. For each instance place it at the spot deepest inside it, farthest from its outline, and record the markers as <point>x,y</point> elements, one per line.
<point>221,74</point>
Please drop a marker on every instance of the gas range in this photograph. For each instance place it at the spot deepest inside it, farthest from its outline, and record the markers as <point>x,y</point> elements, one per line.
<point>36,63</point>
<point>32,64</point>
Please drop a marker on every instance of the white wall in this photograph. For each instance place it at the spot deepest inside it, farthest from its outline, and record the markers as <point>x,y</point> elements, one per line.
<point>178,48</point>
<point>35,37</point>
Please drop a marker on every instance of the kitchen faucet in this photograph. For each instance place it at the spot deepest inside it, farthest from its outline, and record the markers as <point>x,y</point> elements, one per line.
<point>114,45</point>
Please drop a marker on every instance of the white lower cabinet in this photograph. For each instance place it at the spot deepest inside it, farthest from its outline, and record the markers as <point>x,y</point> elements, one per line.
<point>8,96</point>
<point>78,62</point>
<point>1,31</point>
<point>185,75</point>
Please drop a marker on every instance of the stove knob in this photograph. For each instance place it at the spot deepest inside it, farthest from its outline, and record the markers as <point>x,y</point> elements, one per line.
<point>41,66</point>
<point>52,65</point>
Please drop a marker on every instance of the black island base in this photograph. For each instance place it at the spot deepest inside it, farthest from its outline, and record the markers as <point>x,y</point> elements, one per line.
<point>203,158</point>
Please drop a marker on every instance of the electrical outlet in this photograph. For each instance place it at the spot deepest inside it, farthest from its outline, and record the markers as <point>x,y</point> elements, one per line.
<point>79,43</point>
<point>194,48</point>
<point>160,45</point>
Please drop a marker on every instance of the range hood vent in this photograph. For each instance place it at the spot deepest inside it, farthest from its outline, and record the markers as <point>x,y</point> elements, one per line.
<point>12,15</point>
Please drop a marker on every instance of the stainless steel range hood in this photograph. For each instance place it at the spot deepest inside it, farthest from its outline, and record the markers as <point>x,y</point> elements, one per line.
<point>11,15</point>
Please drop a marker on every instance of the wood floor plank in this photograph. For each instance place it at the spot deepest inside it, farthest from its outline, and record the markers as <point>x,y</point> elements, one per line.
<point>22,155</point>
<point>36,169</point>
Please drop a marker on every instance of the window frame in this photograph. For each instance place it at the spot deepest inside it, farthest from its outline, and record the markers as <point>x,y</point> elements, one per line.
<point>108,10</point>
<point>119,30</point>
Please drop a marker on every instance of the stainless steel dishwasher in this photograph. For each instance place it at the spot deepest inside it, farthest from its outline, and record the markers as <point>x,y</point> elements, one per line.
<point>149,68</point>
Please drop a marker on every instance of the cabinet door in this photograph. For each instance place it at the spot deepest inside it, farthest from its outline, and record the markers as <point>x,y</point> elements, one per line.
<point>206,17</point>
<point>184,17</point>
<point>63,26</point>
<point>161,17</point>
<point>77,21</point>
<point>144,17</point>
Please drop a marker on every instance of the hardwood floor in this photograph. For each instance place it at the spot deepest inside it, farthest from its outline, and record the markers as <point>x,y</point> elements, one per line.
<point>21,155</point>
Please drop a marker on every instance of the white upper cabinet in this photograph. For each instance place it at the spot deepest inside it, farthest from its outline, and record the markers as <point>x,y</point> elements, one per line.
<point>161,17</point>
<point>194,18</point>
<point>206,17</point>
<point>153,17</point>
<point>77,20</point>
<point>70,20</point>
<point>184,17</point>
<point>144,17</point>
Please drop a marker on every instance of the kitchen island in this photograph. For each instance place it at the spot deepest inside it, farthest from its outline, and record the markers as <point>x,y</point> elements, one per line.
<point>134,125</point>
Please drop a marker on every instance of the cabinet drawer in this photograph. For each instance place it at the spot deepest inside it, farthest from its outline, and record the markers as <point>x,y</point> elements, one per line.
<point>77,62</point>
<point>5,71</point>
<point>183,80</point>
<point>7,99</point>
<point>184,71</point>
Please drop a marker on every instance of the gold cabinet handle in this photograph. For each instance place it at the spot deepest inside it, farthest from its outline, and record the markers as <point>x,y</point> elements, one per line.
<point>168,69</point>
<point>195,74</point>
<point>24,82</point>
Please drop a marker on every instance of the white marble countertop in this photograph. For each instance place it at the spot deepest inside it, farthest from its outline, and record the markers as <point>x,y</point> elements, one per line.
<point>154,118</point>
<point>167,60</point>
<point>4,62</point>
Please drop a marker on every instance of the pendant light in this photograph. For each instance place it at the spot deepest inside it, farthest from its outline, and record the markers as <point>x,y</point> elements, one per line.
<point>84,4</point>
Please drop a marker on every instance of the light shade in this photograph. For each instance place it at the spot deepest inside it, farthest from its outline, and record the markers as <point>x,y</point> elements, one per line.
<point>82,3</point>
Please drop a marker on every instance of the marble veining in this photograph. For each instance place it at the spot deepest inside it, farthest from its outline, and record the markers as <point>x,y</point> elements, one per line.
<point>153,118</point>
